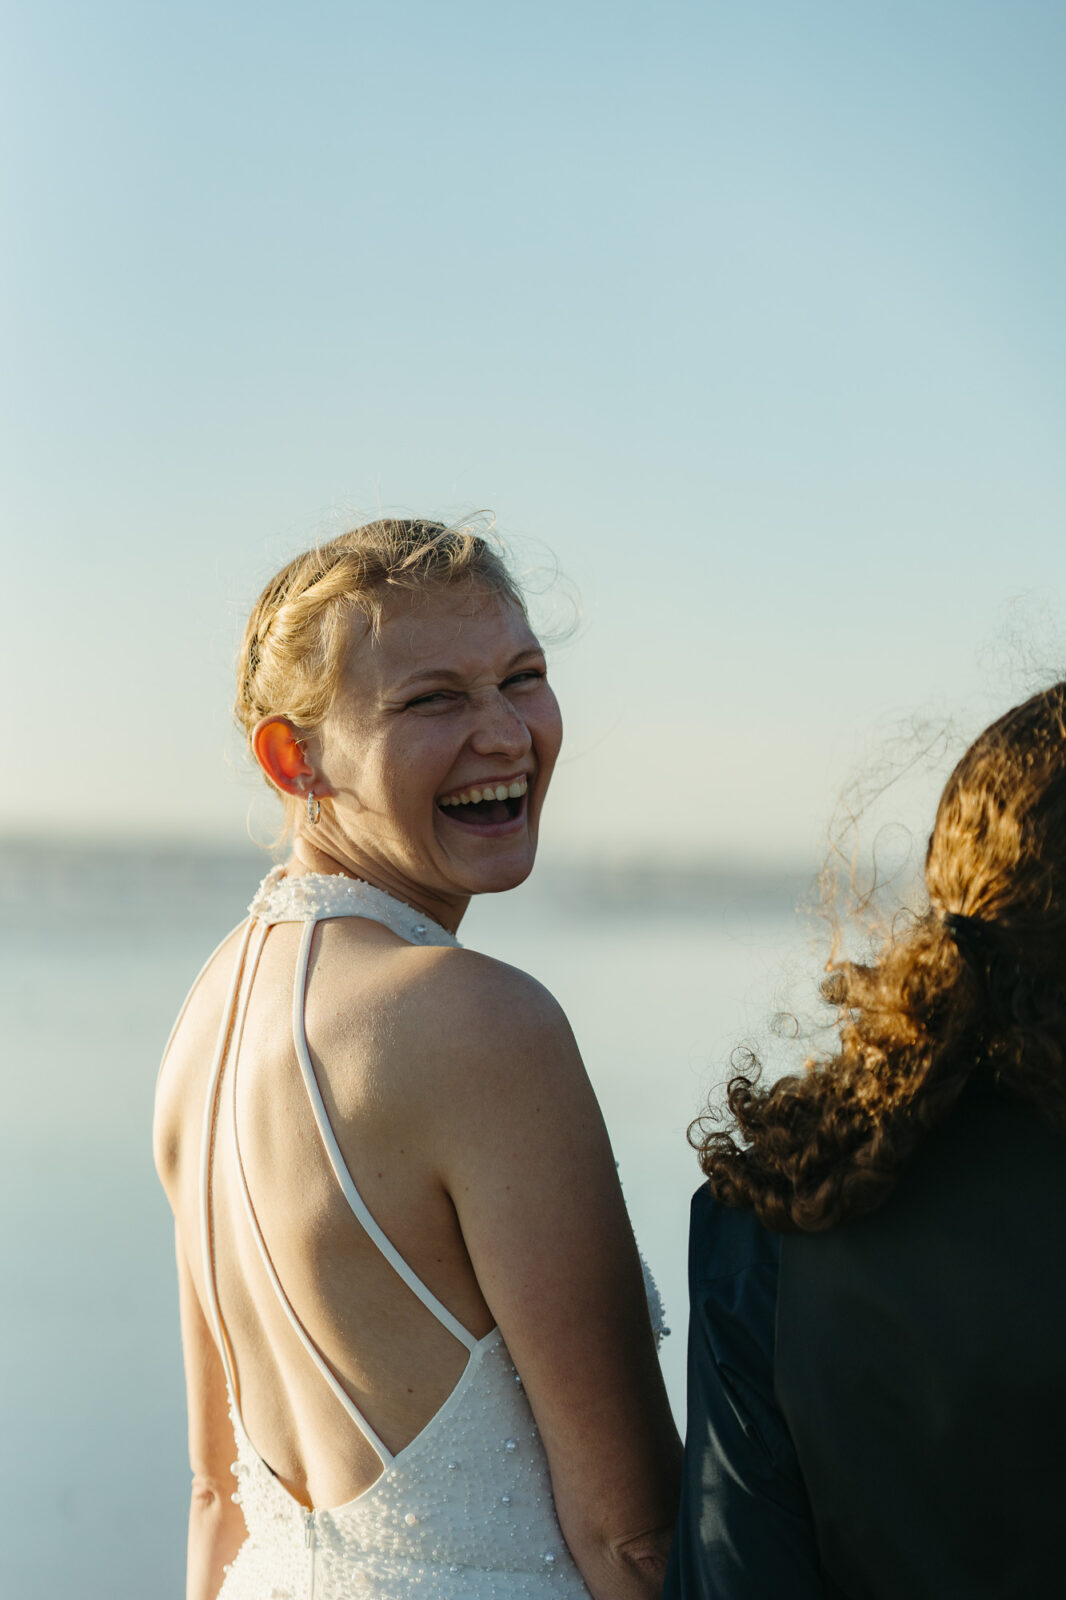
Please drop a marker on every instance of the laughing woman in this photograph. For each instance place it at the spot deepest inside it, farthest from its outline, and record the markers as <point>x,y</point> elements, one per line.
<point>877,1347</point>
<point>411,1303</point>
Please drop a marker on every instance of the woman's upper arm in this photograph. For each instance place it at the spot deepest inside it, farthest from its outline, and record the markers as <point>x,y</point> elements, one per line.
<point>528,1164</point>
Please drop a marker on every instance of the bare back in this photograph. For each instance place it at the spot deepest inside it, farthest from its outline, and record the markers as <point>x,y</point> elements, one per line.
<point>389,1352</point>
<point>395,1202</point>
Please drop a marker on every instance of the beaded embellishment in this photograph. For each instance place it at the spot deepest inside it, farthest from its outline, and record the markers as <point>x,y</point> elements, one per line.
<point>316,895</point>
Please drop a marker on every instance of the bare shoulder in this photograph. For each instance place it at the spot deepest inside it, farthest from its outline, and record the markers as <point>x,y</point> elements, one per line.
<point>472,1011</point>
<point>479,987</point>
<point>454,1032</point>
<point>487,1055</point>
<point>187,1056</point>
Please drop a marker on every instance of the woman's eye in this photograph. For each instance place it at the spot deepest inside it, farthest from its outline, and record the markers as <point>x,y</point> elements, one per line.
<point>440,697</point>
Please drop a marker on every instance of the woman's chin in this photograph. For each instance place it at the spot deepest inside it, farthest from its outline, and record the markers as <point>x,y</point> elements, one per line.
<point>500,876</point>
<point>497,869</point>
<point>492,858</point>
<point>510,879</point>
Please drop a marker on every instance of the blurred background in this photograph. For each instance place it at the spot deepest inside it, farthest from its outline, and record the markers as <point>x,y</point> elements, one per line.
<point>746,319</point>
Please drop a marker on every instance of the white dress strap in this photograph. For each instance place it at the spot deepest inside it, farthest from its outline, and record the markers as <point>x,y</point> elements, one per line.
<point>225,1033</point>
<point>338,1163</point>
<point>329,1377</point>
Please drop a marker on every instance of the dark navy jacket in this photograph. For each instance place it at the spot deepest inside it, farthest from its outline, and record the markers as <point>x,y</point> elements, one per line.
<point>878,1412</point>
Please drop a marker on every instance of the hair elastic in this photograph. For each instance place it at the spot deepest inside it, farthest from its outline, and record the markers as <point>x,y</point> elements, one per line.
<point>973,937</point>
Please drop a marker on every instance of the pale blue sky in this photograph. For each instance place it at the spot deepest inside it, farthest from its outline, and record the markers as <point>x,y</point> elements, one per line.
<point>752,314</point>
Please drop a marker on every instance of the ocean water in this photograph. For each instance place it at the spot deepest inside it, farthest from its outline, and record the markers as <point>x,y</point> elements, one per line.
<point>661,973</point>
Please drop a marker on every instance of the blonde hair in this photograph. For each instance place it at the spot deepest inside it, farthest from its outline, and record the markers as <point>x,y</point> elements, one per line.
<point>292,655</point>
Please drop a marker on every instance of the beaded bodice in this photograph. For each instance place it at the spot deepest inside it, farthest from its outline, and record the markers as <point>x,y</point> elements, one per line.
<point>463,1512</point>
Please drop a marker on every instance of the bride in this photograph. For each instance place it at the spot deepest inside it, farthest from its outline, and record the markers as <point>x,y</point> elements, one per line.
<point>411,1303</point>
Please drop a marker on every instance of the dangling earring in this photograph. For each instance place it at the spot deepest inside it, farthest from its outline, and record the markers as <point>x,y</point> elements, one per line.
<point>314,807</point>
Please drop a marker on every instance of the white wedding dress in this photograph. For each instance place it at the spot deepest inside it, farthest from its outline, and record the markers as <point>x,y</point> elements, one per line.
<point>463,1512</point>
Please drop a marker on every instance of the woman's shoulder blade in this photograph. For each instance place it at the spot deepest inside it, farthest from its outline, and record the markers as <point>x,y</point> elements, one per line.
<point>477,993</point>
<point>459,1030</point>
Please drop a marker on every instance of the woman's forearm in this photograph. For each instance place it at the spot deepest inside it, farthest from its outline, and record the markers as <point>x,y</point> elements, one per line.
<point>216,1532</point>
<point>622,1545</point>
<point>632,1568</point>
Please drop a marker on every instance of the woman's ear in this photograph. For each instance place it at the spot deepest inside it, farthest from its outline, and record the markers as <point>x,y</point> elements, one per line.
<point>277,748</point>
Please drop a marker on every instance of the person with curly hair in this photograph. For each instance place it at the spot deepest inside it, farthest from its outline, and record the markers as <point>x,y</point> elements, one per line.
<point>877,1346</point>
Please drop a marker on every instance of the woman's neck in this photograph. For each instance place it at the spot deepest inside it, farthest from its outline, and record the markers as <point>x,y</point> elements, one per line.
<point>341,859</point>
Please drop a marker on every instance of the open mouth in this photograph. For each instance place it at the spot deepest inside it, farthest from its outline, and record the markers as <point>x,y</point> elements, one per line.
<point>486,806</point>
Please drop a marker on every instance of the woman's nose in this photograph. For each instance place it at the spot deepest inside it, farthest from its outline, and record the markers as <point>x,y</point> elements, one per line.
<point>500,730</point>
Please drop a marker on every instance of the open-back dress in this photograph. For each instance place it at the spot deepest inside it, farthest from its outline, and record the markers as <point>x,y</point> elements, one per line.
<point>465,1510</point>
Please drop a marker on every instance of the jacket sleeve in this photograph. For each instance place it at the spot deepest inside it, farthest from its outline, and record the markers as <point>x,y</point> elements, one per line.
<point>744,1530</point>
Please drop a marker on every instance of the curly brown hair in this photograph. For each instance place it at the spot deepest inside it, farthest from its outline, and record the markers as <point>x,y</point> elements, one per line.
<point>975,989</point>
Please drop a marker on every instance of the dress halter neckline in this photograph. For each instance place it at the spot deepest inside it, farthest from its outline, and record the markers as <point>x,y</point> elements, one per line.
<point>315,896</point>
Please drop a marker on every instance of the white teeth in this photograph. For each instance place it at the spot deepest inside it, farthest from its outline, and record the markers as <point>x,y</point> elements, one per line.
<point>492,791</point>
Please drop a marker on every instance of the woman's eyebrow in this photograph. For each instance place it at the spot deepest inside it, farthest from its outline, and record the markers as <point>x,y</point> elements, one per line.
<point>451,675</point>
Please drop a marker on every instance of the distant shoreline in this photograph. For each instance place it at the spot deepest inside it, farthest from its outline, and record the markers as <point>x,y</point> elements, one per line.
<point>706,885</point>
